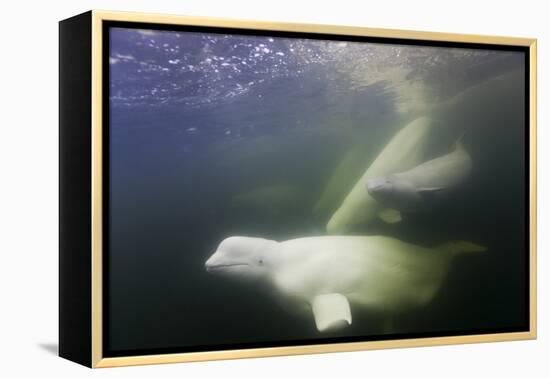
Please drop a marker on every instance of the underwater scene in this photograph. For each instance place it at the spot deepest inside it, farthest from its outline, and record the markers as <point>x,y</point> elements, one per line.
<point>287,189</point>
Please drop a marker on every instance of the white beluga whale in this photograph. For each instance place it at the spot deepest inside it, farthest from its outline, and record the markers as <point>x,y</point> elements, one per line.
<point>334,276</point>
<point>416,188</point>
<point>404,151</point>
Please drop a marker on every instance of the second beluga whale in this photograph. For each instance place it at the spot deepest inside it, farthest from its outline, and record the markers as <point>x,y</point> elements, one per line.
<point>404,151</point>
<point>412,190</point>
<point>333,276</point>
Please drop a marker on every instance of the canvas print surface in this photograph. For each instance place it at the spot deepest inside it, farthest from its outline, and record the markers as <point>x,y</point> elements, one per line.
<point>280,190</point>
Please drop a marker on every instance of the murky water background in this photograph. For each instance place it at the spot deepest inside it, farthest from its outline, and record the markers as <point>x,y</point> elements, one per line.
<point>214,135</point>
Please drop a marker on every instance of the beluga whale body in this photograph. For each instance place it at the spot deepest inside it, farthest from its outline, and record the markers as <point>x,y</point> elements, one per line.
<point>404,151</point>
<point>413,189</point>
<point>333,276</point>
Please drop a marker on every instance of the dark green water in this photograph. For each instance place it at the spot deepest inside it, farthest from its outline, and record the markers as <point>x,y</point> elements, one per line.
<point>190,132</point>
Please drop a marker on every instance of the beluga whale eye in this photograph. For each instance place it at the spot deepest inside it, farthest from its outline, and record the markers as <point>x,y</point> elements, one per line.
<point>261,261</point>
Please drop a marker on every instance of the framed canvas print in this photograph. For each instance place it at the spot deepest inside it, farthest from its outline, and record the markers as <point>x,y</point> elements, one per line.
<point>234,189</point>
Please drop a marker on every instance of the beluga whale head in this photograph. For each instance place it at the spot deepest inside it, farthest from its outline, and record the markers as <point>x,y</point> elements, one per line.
<point>380,185</point>
<point>244,258</point>
<point>392,190</point>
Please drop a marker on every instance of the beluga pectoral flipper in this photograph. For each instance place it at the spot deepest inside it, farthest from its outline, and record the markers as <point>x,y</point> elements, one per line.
<point>331,311</point>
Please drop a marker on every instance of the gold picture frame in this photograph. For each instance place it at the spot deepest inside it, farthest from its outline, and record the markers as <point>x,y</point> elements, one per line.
<point>96,19</point>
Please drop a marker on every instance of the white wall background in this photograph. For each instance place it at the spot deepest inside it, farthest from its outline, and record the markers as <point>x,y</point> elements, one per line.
<point>29,174</point>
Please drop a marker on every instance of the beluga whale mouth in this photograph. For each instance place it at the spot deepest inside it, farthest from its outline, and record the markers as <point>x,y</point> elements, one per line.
<point>220,267</point>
